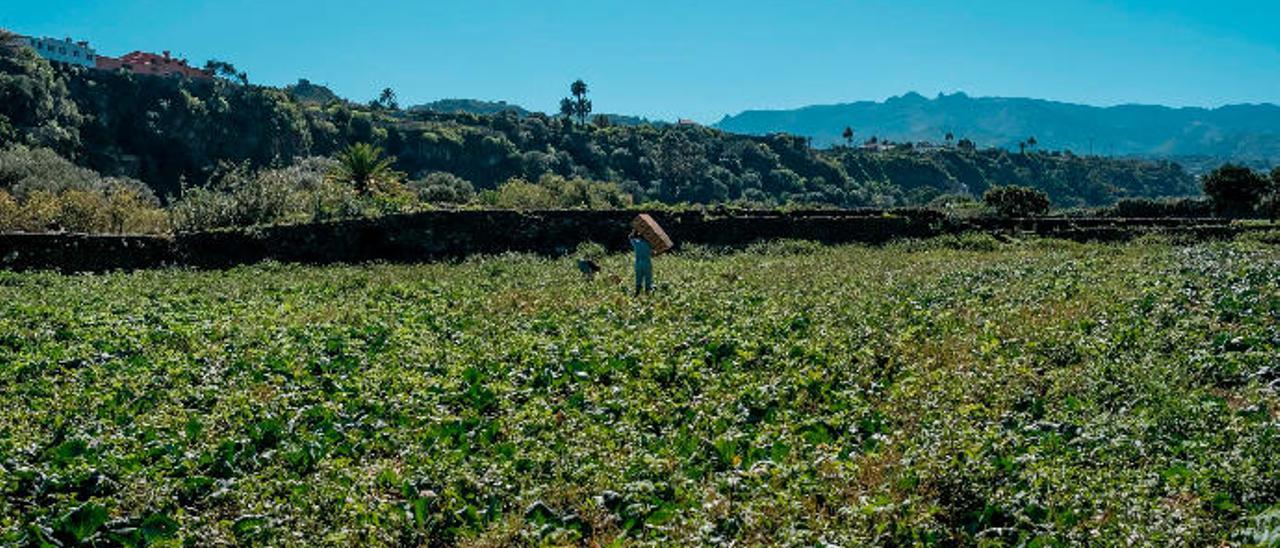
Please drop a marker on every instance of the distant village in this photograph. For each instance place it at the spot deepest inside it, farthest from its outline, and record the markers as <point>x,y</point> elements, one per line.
<point>79,53</point>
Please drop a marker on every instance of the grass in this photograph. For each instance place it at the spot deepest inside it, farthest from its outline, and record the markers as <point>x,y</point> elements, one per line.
<point>952,391</point>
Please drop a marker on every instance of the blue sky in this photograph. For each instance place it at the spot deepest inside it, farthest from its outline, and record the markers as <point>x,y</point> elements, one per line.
<point>703,59</point>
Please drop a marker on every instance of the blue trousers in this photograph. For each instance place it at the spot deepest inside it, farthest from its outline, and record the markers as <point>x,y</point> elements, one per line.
<point>644,278</point>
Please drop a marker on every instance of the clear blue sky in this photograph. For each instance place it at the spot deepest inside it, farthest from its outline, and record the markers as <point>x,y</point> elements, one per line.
<point>702,59</point>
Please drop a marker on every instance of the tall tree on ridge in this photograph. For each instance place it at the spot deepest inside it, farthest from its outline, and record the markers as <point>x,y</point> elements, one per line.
<point>578,106</point>
<point>387,99</point>
<point>848,136</point>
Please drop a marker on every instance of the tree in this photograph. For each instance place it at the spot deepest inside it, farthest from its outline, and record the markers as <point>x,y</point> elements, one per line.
<point>578,106</point>
<point>1022,147</point>
<point>9,42</point>
<point>36,106</point>
<point>1032,142</point>
<point>225,70</point>
<point>949,137</point>
<point>363,166</point>
<point>1016,201</point>
<point>387,100</point>
<point>848,136</point>
<point>1235,190</point>
<point>966,144</point>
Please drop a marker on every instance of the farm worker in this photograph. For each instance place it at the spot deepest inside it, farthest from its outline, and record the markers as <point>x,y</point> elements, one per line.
<point>588,267</point>
<point>644,262</point>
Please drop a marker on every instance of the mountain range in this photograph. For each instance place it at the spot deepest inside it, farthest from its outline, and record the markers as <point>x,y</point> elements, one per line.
<point>1245,133</point>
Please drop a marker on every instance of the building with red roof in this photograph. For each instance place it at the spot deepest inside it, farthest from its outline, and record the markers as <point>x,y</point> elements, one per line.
<point>141,62</point>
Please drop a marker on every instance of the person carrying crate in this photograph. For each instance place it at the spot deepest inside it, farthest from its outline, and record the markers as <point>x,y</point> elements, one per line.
<point>647,239</point>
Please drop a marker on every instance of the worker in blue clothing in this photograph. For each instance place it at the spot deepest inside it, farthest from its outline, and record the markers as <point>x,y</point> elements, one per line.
<point>644,262</point>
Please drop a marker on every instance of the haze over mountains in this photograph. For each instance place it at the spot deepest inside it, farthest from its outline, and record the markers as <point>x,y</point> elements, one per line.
<point>1249,133</point>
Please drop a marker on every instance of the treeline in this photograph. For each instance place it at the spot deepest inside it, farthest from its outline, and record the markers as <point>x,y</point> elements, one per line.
<point>182,135</point>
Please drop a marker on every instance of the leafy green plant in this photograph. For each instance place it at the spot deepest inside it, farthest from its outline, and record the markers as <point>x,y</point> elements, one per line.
<point>364,167</point>
<point>951,391</point>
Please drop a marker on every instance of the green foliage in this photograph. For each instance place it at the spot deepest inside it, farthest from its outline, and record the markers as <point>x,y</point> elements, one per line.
<point>443,188</point>
<point>556,192</point>
<point>1236,191</point>
<point>576,106</point>
<point>1022,394</point>
<point>35,106</point>
<point>365,168</point>
<point>182,129</point>
<point>40,192</point>
<point>590,250</point>
<point>304,192</point>
<point>916,177</point>
<point>1016,201</point>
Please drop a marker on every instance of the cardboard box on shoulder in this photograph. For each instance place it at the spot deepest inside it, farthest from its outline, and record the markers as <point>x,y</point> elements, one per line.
<point>653,233</point>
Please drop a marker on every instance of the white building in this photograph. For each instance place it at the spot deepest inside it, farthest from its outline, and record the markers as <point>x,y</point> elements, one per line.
<point>64,51</point>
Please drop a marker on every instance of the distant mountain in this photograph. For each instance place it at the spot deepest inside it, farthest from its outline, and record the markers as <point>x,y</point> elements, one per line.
<point>1238,132</point>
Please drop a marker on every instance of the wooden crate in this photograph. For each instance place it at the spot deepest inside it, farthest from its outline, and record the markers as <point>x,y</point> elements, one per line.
<point>651,232</point>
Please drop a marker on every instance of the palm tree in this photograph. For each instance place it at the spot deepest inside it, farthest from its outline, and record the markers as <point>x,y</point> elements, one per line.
<point>579,106</point>
<point>950,137</point>
<point>387,99</point>
<point>363,166</point>
<point>848,136</point>
<point>1032,142</point>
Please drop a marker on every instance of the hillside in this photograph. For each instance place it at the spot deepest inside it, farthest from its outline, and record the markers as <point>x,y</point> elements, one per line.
<point>1237,132</point>
<point>168,132</point>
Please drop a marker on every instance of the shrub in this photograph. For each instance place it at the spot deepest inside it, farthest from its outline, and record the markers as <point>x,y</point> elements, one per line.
<point>556,192</point>
<point>1016,201</point>
<point>238,197</point>
<point>521,194</point>
<point>1236,191</point>
<point>45,192</point>
<point>24,170</point>
<point>443,188</point>
<point>9,212</point>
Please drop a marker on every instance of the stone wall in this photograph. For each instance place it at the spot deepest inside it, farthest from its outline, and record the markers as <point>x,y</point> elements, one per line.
<point>452,234</point>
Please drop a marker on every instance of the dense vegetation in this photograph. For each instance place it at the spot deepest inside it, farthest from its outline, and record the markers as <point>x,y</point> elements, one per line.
<point>956,391</point>
<point>171,132</point>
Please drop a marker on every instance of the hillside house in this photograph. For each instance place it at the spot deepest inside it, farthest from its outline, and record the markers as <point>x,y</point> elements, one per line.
<point>141,62</point>
<point>63,51</point>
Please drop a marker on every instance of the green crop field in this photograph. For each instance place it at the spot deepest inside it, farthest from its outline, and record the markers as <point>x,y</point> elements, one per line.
<point>952,391</point>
